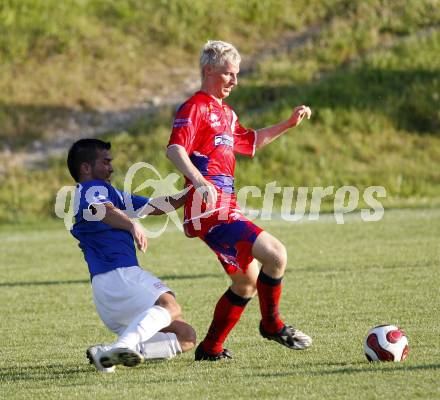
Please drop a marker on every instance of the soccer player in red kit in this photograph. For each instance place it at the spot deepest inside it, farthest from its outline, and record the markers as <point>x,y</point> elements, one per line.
<point>205,137</point>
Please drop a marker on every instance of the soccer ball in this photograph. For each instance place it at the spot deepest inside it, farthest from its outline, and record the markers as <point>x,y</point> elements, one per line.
<point>386,343</point>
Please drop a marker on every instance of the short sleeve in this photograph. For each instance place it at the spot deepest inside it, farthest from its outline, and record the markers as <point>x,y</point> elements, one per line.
<point>95,193</point>
<point>133,204</point>
<point>89,193</point>
<point>139,201</point>
<point>185,126</point>
<point>244,139</point>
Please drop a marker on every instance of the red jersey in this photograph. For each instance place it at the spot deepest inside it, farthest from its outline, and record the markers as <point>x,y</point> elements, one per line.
<point>211,135</point>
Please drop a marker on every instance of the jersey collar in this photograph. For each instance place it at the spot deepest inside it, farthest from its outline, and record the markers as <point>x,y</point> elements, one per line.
<point>208,96</point>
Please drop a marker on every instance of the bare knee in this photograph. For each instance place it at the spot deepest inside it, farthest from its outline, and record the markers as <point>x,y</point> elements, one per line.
<point>244,284</point>
<point>244,289</point>
<point>278,253</point>
<point>168,301</point>
<point>272,254</point>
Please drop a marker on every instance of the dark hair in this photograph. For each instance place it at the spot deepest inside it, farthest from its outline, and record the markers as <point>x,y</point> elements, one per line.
<point>84,150</point>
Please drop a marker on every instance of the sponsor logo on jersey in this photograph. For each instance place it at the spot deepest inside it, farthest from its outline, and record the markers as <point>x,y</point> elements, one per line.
<point>181,122</point>
<point>214,120</point>
<point>223,139</point>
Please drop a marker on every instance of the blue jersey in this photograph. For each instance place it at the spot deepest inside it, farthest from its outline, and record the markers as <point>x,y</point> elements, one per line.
<point>105,248</point>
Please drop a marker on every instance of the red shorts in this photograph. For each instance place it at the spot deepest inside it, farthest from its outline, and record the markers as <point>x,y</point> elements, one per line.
<point>226,231</point>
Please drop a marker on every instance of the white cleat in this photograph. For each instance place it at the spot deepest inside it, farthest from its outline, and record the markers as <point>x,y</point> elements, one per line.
<point>119,355</point>
<point>301,340</point>
<point>93,353</point>
<point>288,336</point>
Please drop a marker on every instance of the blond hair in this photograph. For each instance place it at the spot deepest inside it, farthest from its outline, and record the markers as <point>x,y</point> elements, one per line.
<point>216,52</point>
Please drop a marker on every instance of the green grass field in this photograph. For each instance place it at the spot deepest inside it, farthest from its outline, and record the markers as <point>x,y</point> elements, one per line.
<point>341,280</point>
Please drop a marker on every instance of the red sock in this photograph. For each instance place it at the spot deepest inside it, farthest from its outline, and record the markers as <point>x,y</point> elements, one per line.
<point>269,293</point>
<point>227,313</point>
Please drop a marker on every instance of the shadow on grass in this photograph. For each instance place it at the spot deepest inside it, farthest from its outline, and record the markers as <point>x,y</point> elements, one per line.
<point>41,373</point>
<point>45,283</point>
<point>405,96</point>
<point>185,277</point>
<point>87,281</point>
<point>391,368</point>
<point>366,368</point>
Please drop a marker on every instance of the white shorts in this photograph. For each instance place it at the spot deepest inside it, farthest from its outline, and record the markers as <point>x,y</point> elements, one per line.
<point>122,294</point>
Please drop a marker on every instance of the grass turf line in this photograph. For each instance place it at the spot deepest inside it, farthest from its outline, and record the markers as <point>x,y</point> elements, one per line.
<point>341,280</point>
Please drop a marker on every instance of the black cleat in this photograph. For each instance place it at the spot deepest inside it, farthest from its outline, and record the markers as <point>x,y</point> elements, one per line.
<point>202,355</point>
<point>288,336</point>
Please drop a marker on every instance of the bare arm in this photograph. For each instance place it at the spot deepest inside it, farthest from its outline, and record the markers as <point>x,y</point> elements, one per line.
<point>164,204</point>
<point>181,160</point>
<point>117,219</point>
<point>179,157</point>
<point>269,134</point>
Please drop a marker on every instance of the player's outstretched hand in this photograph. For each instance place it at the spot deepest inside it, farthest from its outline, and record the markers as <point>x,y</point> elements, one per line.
<point>299,113</point>
<point>207,192</point>
<point>139,236</point>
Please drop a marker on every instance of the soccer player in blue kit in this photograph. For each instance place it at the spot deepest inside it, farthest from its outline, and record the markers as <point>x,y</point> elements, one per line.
<point>131,302</point>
